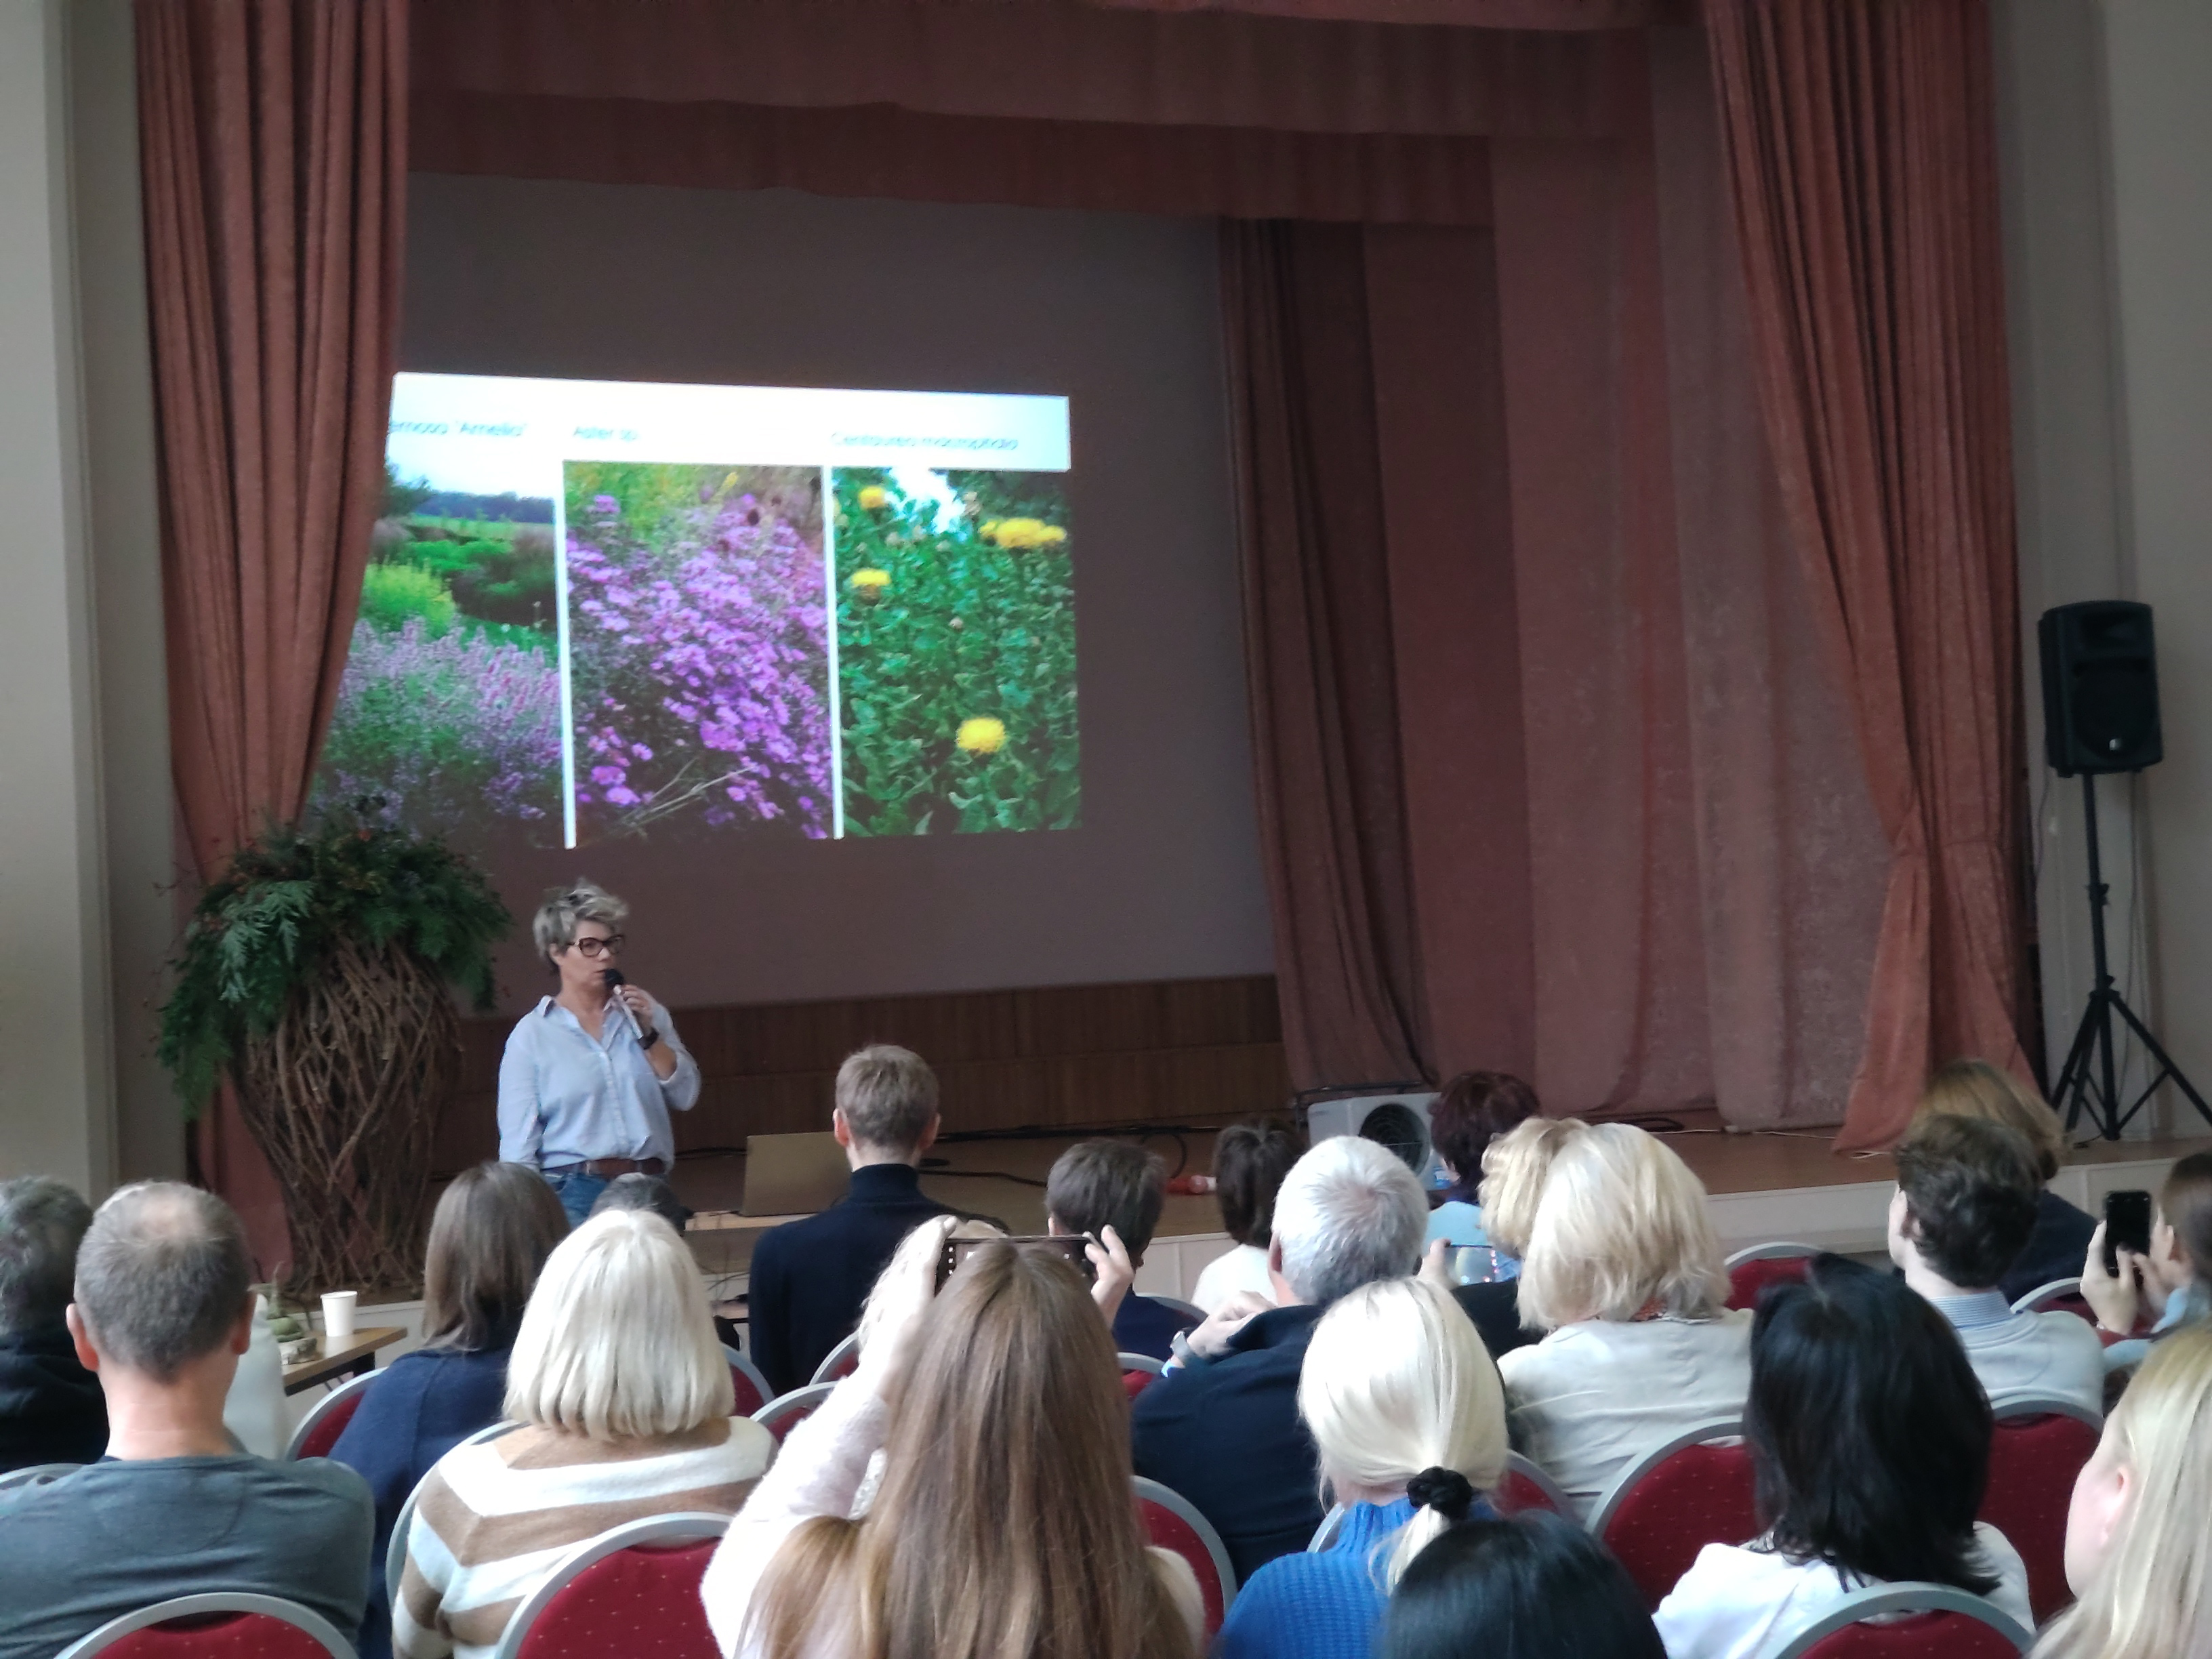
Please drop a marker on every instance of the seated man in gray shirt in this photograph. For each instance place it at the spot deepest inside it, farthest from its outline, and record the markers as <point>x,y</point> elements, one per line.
<point>162,1313</point>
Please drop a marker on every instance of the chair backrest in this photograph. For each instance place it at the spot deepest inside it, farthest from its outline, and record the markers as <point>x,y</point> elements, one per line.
<point>395,1553</point>
<point>1952,1625</point>
<point>215,1625</point>
<point>1139,1362</point>
<point>1325,1534</point>
<point>37,1474</point>
<point>1528,1488</point>
<point>787,1411</point>
<point>1751,1271</point>
<point>632,1590</point>
<point>1189,1311</point>
<point>1676,1500</point>
<point>841,1361</point>
<point>746,1382</point>
<point>2037,1450</point>
<point>327,1420</point>
<point>2047,1296</point>
<point>1173,1522</point>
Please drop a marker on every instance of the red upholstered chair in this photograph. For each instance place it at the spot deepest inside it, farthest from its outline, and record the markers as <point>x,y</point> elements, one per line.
<point>216,1626</point>
<point>1952,1625</point>
<point>1527,1487</point>
<point>634,1590</point>
<point>1138,1369</point>
<point>1672,1503</point>
<point>841,1361</point>
<point>1752,1271</point>
<point>787,1411</point>
<point>1173,1522</point>
<point>319,1429</point>
<point>2038,1447</point>
<point>747,1382</point>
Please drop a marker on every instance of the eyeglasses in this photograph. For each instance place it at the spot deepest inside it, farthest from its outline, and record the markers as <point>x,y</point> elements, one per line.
<point>612,946</point>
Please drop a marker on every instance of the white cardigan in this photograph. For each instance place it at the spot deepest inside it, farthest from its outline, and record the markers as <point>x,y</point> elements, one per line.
<point>819,1472</point>
<point>1739,1601</point>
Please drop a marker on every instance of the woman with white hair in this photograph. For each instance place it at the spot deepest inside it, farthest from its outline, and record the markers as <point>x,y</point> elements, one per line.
<point>590,1074</point>
<point>624,1397</point>
<point>1623,1274</point>
<point>1405,1405</point>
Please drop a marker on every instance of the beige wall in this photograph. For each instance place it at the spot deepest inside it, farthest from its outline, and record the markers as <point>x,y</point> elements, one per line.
<point>84,822</point>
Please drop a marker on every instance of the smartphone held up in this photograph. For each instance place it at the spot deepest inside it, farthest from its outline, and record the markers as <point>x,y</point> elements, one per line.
<point>2127,1227</point>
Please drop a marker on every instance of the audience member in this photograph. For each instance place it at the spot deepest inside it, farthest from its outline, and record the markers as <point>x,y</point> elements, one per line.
<point>2175,1278</point>
<point>1974,1088</point>
<point>1964,1206</point>
<point>1249,1162</point>
<point>1535,1587</point>
<point>2138,1554</point>
<point>162,1313</point>
<point>50,1408</point>
<point>1222,1428</point>
<point>1003,1524</point>
<point>1471,1111</point>
<point>1869,1440</point>
<point>491,1234</point>
<point>1515,1167</point>
<point>640,1191</point>
<point>624,1397</point>
<point>810,1277</point>
<point>1623,1274</point>
<point>1405,1408</point>
<point>1095,1184</point>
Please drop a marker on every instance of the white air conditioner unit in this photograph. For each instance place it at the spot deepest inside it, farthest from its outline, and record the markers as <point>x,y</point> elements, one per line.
<point>1398,1121</point>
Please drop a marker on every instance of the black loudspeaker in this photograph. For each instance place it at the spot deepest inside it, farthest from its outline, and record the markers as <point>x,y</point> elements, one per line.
<point>2099,688</point>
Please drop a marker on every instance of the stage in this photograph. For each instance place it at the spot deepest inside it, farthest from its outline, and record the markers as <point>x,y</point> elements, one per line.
<point>1763,1186</point>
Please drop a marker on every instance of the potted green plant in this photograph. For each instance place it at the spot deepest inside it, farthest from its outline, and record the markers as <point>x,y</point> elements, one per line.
<point>317,976</point>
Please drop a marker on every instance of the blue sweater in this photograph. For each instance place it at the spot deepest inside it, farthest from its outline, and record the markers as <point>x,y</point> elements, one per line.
<point>425,1404</point>
<point>1316,1606</point>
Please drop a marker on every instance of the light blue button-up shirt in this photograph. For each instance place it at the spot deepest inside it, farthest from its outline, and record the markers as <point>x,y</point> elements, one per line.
<point>564,1099</point>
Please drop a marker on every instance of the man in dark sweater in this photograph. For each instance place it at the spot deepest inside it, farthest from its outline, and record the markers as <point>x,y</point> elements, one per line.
<point>810,1277</point>
<point>162,1313</point>
<point>1222,1428</point>
<point>1098,1184</point>
<point>50,1408</point>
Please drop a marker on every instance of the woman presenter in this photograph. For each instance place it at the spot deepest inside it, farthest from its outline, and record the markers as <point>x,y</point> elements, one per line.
<point>591,1073</point>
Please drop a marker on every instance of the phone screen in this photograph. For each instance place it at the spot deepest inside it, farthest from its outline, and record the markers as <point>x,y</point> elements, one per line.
<point>958,1250</point>
<point>2127,1227</point>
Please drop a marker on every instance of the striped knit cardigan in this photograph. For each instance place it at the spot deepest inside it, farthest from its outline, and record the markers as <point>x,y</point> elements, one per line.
<point>493,1519</point>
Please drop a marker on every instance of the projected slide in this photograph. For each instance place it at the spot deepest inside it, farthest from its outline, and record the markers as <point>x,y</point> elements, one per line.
<point>602,609</point>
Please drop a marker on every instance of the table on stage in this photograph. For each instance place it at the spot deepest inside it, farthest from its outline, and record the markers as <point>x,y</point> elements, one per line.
<point>352,1360</point>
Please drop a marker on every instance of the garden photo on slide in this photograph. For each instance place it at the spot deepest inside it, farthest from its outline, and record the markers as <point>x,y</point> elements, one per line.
<point>449,709</point>
<point>955,651</point>
<point>698,649</point>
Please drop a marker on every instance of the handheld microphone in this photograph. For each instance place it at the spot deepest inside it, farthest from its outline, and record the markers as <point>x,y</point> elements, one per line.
<point>615,981</point>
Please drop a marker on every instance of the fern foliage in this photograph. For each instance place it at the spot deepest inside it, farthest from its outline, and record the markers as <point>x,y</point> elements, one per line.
<point>261,931</point>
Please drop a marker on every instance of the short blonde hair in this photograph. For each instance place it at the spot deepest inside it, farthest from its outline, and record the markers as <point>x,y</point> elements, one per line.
<point>1396,1381</point>
<point>2152,1596</point>
<point>554,927</point>
<point>1514,1169</point>
<point>888,1095</point>
<point>617,1342</point>
<point>1974,1088</point>
<point>1621,1226</point>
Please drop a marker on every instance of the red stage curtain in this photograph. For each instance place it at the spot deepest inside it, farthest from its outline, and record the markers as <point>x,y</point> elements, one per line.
<point>1860,154</point>
<point>273,149</point>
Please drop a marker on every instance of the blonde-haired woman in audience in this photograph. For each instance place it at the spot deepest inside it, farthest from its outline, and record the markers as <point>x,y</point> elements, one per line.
<point>2138,1550</point>
<point>1405,1409</point>
<point>1004,1526</point>
<point>1974,1088</point>
<point>624,1398</point>
<point>1624,1274</point>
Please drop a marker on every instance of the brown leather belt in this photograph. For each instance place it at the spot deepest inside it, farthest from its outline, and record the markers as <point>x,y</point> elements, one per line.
<point>610,1167</point>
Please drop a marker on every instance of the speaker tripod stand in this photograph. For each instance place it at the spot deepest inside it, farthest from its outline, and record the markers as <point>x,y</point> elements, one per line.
<point>2097,1096</point>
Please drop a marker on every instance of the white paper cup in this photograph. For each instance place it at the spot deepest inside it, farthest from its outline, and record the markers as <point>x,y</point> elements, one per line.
<point>338,1319</point>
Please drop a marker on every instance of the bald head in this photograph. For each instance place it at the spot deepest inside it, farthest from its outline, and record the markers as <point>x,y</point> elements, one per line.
<point>161,1276</point>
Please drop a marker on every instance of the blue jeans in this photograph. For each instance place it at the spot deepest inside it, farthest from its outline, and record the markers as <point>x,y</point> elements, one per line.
<point>578,1191</point>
